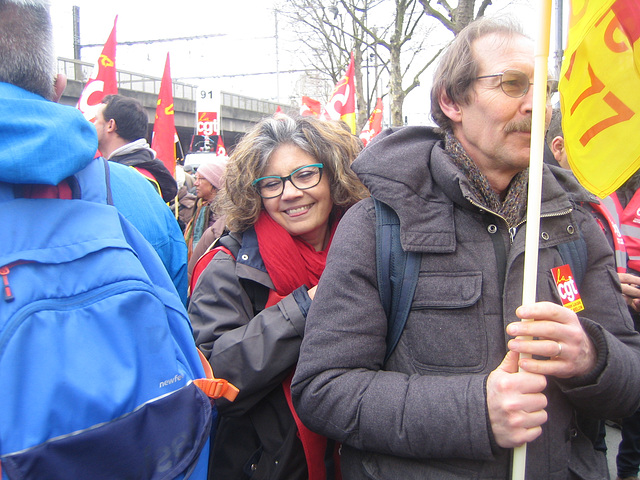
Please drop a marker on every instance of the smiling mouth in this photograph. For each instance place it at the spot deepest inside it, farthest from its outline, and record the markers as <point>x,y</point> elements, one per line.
<point>297,210</point>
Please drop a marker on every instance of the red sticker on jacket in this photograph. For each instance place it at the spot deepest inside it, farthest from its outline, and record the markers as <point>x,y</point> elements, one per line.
<point>567,288</point>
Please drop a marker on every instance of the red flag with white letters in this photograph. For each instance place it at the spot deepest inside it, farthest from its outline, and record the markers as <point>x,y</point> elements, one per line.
<point>342,104</point>
<point>310,107</point>
<point>103,79</point>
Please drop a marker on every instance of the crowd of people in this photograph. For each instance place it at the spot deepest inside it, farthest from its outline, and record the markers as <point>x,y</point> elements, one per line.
<point>291,312</point>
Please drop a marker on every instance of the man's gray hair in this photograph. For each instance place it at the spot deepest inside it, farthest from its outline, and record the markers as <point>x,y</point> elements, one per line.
<point>30,3</point>
<point>26,46</point>
<point>458,68</point>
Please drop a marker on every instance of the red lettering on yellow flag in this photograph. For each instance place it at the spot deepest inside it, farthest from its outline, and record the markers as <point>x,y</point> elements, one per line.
<point>572,62</point>
<point>596,87</point>
<point>577,15</point>
<point>623,112</point>
<point>609,37</point>
<point>598,93</point>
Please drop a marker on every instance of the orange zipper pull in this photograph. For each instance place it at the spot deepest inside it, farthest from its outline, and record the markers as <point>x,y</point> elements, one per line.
<point>4,272</point>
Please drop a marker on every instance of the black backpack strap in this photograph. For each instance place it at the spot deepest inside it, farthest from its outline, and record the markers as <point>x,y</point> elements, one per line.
<point>107,176</point>
<point>575,254</point>
<point>397,273</point>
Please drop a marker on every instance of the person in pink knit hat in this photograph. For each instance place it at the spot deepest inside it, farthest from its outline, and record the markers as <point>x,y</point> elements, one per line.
<point>209,177</point>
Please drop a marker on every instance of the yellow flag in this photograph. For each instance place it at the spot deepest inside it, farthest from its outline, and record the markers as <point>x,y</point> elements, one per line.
<point>600,93</point>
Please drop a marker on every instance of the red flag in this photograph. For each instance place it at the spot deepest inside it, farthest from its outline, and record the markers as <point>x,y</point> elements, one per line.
<point>342,104</point>
<point>164,127</point>
<point>279,113</point>
<point>220,149</point>
<point>374,125</point>
<point>310,107</point>
<point>103,79</point>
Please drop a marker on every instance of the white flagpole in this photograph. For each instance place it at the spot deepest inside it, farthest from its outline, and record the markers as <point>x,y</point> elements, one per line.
<point>535,183</point>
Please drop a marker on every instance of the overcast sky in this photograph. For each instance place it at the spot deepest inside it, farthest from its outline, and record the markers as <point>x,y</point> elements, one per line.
<point>246,43</point>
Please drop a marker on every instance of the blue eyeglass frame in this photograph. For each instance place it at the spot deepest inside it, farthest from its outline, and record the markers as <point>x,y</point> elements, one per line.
<point>288,177</point>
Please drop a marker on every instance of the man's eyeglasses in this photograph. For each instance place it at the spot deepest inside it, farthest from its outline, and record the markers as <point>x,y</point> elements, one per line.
<point>302,178</point>
<point>515,83</point>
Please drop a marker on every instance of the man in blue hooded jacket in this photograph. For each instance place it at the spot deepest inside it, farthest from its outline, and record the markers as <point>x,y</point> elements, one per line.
<point>43,143</point>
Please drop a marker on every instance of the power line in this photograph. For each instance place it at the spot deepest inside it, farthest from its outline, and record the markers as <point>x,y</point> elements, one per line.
<point>160,40</point>
<point>303,70</point>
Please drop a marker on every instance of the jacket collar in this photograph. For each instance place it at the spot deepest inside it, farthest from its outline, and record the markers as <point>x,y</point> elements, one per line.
<point>424,185</point>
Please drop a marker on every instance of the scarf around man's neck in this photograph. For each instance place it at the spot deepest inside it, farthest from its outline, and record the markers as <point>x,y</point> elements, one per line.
<point>514,206</point>
<point>290,261</point>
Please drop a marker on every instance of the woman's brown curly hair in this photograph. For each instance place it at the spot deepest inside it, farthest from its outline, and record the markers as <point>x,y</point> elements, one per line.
<point>329,143</point>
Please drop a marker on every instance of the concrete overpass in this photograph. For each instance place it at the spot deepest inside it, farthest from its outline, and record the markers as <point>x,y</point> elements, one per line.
<point>239,113</point>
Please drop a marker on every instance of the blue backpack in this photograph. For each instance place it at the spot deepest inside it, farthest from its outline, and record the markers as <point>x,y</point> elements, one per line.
<point>100,375</point>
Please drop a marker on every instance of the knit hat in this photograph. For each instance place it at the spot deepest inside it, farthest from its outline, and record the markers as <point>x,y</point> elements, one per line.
<point>213,170</point>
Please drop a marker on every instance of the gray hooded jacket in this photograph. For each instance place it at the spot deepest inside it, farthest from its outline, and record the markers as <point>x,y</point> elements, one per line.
<point>423,415</point>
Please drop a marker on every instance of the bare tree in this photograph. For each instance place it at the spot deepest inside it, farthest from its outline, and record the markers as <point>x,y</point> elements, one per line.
<point>395,39</point>
<point>332,29</point>
<point>455,18</point>
<point>329,37</point>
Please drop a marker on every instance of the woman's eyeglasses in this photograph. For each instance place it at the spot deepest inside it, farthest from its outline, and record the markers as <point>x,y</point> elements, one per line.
<point>302,178</point>
<point>515,83</point>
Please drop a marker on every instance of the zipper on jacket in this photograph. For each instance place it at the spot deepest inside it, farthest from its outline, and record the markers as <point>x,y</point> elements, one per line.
<point>512,230</point>
<point>6,288</point>
<point>68,303</point>
<point>7,293</point>
<point>557,214</point>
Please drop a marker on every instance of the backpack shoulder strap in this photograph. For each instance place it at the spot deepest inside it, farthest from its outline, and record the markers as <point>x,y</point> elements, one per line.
<point>397,273</point>
<point>575,254</point>
<point>203,261</point>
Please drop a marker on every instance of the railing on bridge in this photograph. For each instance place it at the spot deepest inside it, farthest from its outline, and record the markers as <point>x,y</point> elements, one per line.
<point>81,71</point>
<point>248,103</point>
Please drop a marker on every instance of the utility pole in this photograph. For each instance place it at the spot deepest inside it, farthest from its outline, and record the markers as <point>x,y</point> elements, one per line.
<point>559,37</point>
<point>76,43</point>
<point>275,13</point>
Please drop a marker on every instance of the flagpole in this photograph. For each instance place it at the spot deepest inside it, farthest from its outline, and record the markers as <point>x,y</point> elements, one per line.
<point>535,184</point>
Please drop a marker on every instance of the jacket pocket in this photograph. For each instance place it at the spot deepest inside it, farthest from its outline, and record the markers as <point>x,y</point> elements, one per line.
<point>446,328</point>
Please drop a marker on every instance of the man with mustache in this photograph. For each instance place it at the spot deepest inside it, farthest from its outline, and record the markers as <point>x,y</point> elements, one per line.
<point>454,396</point>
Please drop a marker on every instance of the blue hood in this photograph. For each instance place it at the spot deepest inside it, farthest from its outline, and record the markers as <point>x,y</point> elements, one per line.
<point>41,142</point>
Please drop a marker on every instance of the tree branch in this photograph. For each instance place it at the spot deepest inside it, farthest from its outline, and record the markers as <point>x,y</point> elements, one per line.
<point>432,12</point>
<point>483,7</point>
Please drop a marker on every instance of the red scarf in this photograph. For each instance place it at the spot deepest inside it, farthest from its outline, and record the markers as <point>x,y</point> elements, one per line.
<point>291,262</point>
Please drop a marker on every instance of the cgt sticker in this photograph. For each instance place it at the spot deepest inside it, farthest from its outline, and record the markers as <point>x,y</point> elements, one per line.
<point>567,288</point>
